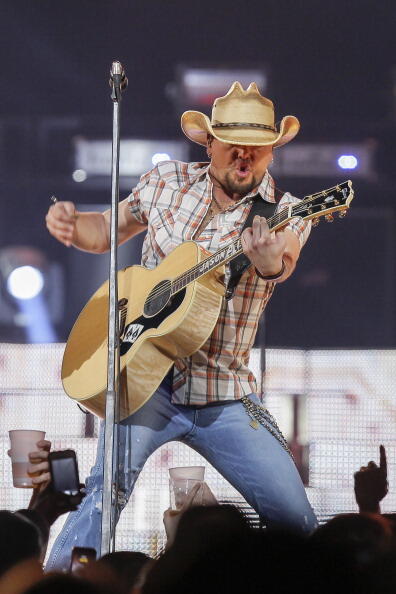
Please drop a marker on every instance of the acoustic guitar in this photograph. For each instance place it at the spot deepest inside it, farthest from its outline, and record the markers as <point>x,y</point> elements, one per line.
<point>164,314</point>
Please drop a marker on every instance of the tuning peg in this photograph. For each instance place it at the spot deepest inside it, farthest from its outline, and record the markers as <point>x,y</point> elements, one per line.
<point>329,218</point>
<point>342,213</point>
<point>315,222</point>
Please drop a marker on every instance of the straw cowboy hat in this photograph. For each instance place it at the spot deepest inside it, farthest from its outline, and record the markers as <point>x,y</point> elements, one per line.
<point>240,117</point>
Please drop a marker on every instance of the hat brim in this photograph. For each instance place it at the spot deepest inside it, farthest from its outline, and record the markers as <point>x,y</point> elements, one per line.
<point>196,126</point>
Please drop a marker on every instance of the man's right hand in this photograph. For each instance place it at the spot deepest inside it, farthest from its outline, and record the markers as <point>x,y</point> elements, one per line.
<point>61,221</point>
<point>90,231</point>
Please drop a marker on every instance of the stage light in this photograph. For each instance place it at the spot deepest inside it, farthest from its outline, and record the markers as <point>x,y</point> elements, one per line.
<point>157,157</point>
<point>347,162</point>
<point>79,175</point>
<point>25,282</point>
<point>325,159</point>
<point>31,293</point>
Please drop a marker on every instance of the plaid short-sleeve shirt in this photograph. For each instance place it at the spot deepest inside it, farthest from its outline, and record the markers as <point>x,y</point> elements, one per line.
<point>172,199</point>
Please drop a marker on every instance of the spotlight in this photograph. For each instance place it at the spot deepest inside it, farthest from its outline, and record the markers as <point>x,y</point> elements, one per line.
<point>31,293</point>
<point>347,162</point>
<point>25,282</point>
<point>157,157</point>
<point>79,175</point>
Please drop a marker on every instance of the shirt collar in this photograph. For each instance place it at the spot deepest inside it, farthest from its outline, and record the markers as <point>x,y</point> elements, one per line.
<point>267,188</point>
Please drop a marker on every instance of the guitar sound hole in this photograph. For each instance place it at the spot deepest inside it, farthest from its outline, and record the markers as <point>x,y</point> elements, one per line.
<point>158,298</point>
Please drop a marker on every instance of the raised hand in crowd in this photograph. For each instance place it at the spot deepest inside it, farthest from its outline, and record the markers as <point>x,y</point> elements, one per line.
<point>51,504</point>
<point>45,501</point>
<point>200,494</point>
<point>371,484</point>
<point>46,505</point>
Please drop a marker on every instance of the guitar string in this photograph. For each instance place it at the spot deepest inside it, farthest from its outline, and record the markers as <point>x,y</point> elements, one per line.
<point>274,220</point>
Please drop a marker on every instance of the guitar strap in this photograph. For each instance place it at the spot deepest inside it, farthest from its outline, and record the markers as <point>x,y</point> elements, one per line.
<point>241,263</point>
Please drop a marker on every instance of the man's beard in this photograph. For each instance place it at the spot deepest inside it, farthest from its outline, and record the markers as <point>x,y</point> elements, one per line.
<point>242,188</point>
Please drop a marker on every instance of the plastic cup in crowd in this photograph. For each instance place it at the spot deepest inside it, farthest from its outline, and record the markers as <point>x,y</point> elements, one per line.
<point>182,480</point>
<point>23,441</point>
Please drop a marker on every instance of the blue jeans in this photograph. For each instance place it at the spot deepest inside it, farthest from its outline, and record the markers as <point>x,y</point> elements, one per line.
<point>252,460</point>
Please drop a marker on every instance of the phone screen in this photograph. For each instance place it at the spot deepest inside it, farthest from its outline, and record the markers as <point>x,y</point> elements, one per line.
<point>64,473</point>
<point>80,558</point>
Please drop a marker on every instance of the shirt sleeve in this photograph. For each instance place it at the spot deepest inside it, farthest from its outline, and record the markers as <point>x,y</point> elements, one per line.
<point>137,199</point>
<point>299,226</point>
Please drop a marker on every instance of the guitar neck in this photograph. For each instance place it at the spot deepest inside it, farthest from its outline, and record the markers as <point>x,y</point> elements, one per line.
<point>321,204</point>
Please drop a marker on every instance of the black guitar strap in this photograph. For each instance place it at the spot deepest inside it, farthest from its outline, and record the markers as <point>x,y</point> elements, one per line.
<point>241,263</point>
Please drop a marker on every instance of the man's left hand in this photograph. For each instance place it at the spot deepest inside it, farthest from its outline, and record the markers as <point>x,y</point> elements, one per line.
<point>263,247</point>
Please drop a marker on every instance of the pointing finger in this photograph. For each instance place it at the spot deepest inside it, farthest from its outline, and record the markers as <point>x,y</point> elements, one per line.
<point>383,464</point>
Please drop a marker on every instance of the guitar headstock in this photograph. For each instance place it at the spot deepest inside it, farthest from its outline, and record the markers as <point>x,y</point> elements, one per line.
<point>323,204</point>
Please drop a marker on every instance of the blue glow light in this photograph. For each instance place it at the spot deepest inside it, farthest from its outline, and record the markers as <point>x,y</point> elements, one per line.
<point>38,324</point>
<point>347,162</point>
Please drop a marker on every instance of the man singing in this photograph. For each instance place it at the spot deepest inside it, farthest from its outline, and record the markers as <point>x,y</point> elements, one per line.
<point>207,400</point>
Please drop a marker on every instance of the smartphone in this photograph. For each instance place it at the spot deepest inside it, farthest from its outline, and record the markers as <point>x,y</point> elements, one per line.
<point>64,472</point>
<point>80,557</point>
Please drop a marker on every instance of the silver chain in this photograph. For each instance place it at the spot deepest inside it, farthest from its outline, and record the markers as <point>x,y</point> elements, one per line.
<point>260,416</point>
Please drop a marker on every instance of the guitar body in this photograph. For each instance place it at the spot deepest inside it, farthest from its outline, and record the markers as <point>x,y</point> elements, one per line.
<point>155,329</point>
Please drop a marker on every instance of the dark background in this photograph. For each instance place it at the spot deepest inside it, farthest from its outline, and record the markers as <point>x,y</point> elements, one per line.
<point>331,64</point>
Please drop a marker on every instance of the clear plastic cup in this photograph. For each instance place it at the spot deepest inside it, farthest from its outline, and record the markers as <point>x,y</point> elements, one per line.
<point>182,480</point>
<point>179,489</point>
<point>23,441</point>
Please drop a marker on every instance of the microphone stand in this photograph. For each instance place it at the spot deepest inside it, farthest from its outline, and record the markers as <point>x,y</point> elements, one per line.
<point>118,82</point>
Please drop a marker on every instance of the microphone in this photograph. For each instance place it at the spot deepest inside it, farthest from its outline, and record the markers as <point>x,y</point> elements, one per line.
<point>117,76</point>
